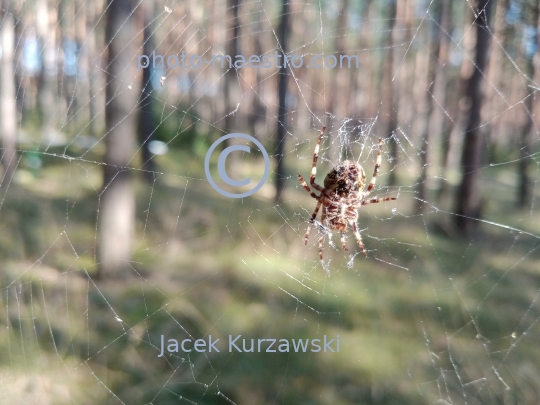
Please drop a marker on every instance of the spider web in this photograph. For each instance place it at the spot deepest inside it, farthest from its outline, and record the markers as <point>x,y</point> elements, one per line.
<point>428,317</point>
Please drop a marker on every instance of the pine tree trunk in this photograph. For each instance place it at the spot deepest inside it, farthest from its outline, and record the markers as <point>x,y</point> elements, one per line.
<point>8,105</point>
<point>389,108</point>
<point>47,91</point>
<point>496,103</point>
<point>117,202</point>
<point>426,104</point>
<point>146,125</point>
<point>525,192</point>
<point>442,123</point>
<point>231,84</point>
<point>468,197</point>
<point>95,73</point>
<point>339,77</point>
<point>283,35</point>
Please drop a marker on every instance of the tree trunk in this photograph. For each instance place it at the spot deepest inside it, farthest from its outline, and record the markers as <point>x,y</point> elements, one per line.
<point>339,76</point>
<point>146,125</point>
<point>231,84</point>
<point>47,92</point>
<point>524,192</point>
<point>257,114</point>
<point>468,197</point>
<point>361,83</point>
<point>93,42</point>
<point>389,110</point>
<point>283,35</point>
<point>496,102</point>
<point>117,202</point>
<point>407,75</point>
<point>442,123</point>
<point>8,104</point>
<point>426,103</point>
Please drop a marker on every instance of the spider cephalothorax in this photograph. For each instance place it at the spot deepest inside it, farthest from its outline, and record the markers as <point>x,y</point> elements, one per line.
<point>343,193</point>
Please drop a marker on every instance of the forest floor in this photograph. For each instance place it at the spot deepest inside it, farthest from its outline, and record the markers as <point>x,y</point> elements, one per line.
<point>428,316</point>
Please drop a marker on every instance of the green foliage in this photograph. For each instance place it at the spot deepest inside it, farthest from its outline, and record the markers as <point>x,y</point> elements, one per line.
<point>178,130</point>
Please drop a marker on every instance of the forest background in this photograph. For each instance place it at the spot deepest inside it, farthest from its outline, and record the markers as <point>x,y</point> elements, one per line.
<point>110,235</point>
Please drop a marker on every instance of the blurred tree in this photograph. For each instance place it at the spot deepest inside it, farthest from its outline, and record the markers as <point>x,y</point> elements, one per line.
<point>362,84</point>
<point>94,41</point>
<point>69,98</point>
<point>8,104</point>
<point>82,116</point>
<point>441,121</point>
<point>146,127</point>
<point>231,83</point>
<point>389,107</point>
<point>117,202</point>
<point>257,114</point>
<point>46,20</point>
<point>408,80</point>
<point>425,107</point>
<point>456,107</point>
<point>468,196</point>
<point>496,100</point>
<point>337,101</point>
<point>529,48</point>
<point>283,36</point>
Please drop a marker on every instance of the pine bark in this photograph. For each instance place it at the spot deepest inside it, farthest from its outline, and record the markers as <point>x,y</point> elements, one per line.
<point>146,127</point>
<point>524,197</point>
<point>281,132</point>
<point>8,105</point>
<point>47,90</point>
<point>231,84</point>
<point>117,202</point>
<point>389,106</point>
<point>426,104</point>
<point>468,199</point>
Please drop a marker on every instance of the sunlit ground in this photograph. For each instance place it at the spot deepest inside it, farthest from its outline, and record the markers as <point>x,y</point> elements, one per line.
<point>427,316</point>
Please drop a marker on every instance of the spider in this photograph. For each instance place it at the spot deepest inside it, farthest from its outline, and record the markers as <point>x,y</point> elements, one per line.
<point>343,193</point>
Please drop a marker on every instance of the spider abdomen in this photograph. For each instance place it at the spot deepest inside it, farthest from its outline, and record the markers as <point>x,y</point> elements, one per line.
<point>340,213</point>
<point>346,178</point>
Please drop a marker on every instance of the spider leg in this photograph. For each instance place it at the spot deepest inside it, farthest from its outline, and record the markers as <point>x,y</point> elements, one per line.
<point>376,170</point>
<point>313,216</point>
<point>378,200</point>
<point>306,187</point>
<point>314,166</point>
<point>342,239</point>
<point>358,238</point>
<point>321,235</point>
